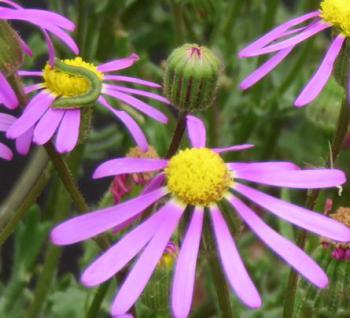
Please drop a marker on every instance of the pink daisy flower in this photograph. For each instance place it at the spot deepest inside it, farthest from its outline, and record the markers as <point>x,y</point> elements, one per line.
<point>45,120</point>
<point>198,177</point>
<point>49,23</point>
<point>22,143</point>
<point>282,40</point>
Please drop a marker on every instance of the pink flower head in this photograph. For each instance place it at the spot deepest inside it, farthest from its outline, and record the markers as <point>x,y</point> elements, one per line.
<point>49,23</point>
<point>22,143</point>
<point>198,177</point>
<point>47,121</point>
<point>282,40</point>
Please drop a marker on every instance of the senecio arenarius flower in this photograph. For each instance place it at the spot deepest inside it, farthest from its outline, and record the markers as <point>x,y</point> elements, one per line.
<point>198,178</point>
<point>44,119</point>
<point>49,23</point>
<point>332,14</point>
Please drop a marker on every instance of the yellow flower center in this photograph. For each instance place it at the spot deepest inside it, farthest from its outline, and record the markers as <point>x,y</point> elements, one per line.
<point>69,85</point>
<point>198,177</point>
<point>337,13</point>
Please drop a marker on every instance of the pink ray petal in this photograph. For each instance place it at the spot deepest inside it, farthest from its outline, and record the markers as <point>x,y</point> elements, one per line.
<point>32,88</point>
<point>196,131</point>
<point>309,220</point>
<point>24,142</point>
<point>35,109</point>
<point>147,262</point>
<point>50,47</point>
<point>68,131</point>
<point>293,41</point>
<point>185,271</point>
<point>128,79</point>
<point>233,148</point>
<point>232,263</point>
<point>155,183</point>
<point>119,64</point>
<point>292,254</point>
<point>6,121</point>
<point>134,129</point>
<point>47,126</point>
<point>134,91</point>
<point>12,4</point>
<point>25,47</point>
<point>321,77</point>
<point>263,166</point>
<point>138,104</point>
<point>302,179</point>
<point>276,33</point>
<point>265,69</point>
<point>120,166</point>
<point>30,73</point>
<point>7,95</point>
<point>5,152</point>
<point>89,225</point>
<point>115,258</point>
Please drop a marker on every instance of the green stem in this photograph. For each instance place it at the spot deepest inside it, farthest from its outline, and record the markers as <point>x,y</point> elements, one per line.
<point>51,259</point>
<point>26,203</point>
<point>178,134</point>
<point>179,26</point>
<point>341,131</point>
<point>32,175</point>
<point>221,288</point>
<point>82,8</point>
<point>97,300</point>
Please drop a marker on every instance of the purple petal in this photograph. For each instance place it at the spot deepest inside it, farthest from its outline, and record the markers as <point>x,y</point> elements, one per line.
<point>137,92</point>
<point>86,226</point>
<point>24,141</point>
<point>138,104</point>
<point>185,272</point>
<point>47,126</point>
<point>6,121</point>
<point>120,166</point>
<point>50,47</point>
<point>68,131</point>
<point>35,109</point>
<point>263,166</point>
<point>321,77</point>
<point>302,179</point>
<point>118,64</point>
<point>292,254</point>
<point>155,183</point>
<point>25,47</point>
<point>276,33</point>
<point>115,258</point>
<point>5,152</point>
<point>134,129</point>
<point>32,88</point>
<point>196,131</point>
<point>147,262</point>
<point>128,79</point>
<point>233,148</point>
<point>293,41</point>
<point>265,69</point>
<point>309,220</point>
<point>232,264</point>
<point>7,95</point>
<point>30,73</point>
<point>12,4</point>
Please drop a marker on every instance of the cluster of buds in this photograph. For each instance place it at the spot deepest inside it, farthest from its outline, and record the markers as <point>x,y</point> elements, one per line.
<point>124,184</point>
<point>341,251</point>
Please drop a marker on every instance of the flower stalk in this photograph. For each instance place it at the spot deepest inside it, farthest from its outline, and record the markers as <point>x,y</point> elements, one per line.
<point>336,147</point>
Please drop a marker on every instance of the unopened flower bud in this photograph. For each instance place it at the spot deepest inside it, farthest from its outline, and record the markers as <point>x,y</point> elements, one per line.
<point>191,77</point>
<point>11,53</point>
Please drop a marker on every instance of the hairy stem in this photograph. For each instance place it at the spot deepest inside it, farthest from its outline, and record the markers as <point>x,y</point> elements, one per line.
<point>178,134</point>
<point>341,131</point>
<point>221,288</point>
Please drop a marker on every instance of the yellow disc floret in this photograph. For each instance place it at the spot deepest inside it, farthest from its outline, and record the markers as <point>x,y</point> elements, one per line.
<point>337,13</point>
<point>68,85</point>
<point>198,176</point>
